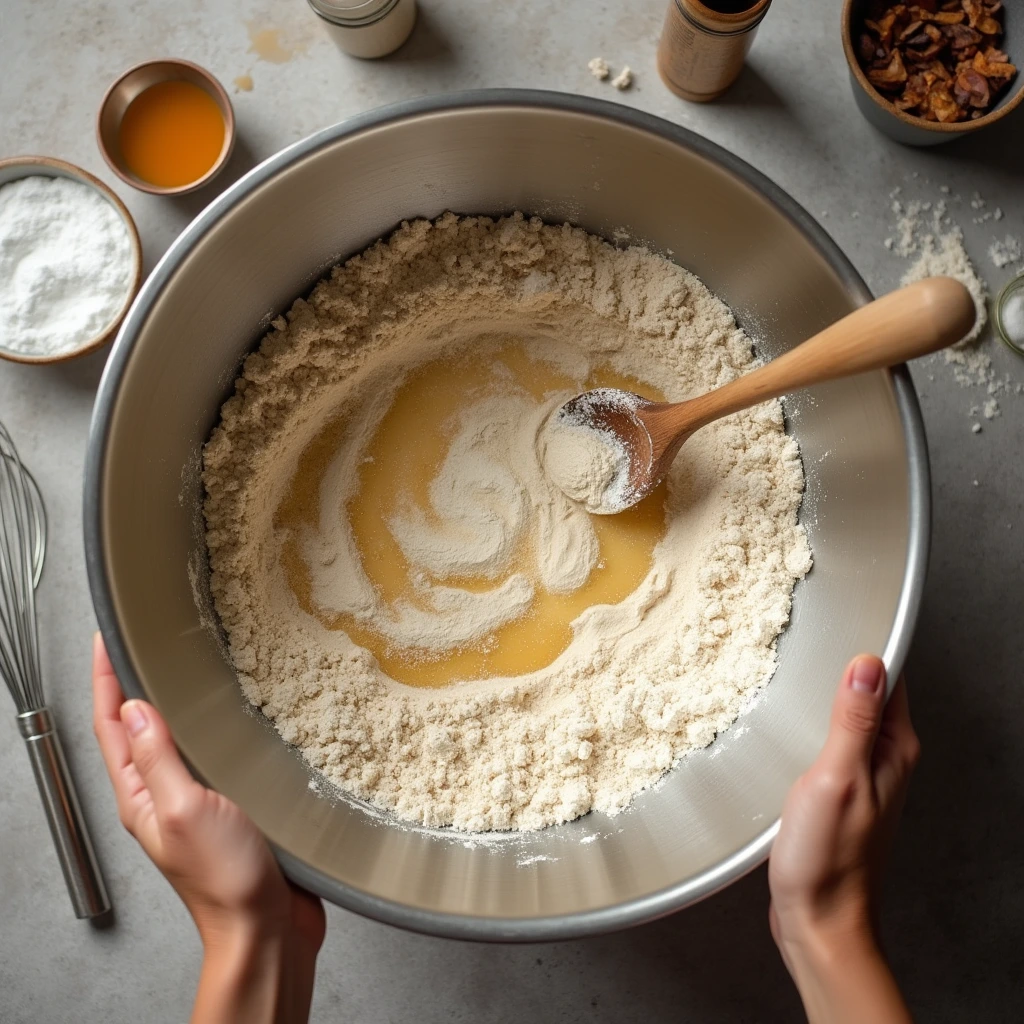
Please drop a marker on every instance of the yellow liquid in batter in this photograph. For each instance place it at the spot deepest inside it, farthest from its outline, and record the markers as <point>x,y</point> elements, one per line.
<point>406,452</point>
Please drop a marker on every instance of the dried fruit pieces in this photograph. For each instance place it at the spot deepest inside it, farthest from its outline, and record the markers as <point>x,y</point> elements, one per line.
<point>939,60</point>
<point>893,74</point>
<point>972,90</point>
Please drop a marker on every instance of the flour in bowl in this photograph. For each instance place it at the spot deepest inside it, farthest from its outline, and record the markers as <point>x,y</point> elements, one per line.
<point>379,521</point>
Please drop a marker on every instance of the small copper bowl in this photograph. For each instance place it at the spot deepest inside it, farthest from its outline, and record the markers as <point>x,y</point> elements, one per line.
<point>136,80</point>
<point>18,167</point>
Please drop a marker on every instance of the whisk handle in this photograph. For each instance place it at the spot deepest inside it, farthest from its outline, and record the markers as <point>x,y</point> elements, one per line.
<point>64,814</point>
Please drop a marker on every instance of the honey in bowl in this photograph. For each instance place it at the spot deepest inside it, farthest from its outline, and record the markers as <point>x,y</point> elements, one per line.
<point>172,134</point>
<point>402,458</point>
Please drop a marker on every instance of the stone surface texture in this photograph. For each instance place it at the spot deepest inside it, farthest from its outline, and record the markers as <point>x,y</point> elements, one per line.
<point>955,902</point>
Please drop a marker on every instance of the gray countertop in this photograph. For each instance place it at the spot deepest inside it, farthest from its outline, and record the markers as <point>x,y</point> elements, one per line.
<point>955,903</point>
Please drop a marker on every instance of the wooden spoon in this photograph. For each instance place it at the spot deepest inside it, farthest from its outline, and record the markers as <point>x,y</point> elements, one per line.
<point>907,323</point>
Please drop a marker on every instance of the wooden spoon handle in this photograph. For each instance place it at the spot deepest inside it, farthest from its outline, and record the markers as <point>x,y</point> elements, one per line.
<point>910,322</point>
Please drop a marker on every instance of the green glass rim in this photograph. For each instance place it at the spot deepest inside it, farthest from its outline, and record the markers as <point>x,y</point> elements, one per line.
<point>1013,286</point>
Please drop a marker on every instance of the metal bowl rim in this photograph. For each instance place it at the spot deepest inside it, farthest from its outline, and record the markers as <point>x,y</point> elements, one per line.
<point>461,926</point>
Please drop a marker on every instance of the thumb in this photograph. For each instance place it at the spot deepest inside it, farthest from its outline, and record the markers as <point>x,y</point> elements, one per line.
<point>856,716</point>
<point>155,756</point>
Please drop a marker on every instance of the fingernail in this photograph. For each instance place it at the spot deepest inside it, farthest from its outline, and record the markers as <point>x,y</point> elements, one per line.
<point>134,717</point>
<point>867,675</point>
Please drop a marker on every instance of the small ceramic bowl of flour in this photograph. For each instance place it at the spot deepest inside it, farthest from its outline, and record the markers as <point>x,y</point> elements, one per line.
<point>70,260</point>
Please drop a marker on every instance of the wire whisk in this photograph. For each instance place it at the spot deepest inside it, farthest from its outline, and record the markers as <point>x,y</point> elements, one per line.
<point>22,525</point>
<point>23,528</point>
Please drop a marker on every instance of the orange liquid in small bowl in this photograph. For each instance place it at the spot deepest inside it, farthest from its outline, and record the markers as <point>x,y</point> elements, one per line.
<point>171,134</point>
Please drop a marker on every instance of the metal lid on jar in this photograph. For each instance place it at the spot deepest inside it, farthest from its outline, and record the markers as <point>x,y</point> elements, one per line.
<point>353,13</point>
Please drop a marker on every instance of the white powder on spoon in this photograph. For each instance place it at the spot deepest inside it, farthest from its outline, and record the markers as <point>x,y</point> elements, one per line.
<point>642,681</point>
<point>65,265</point>
<point>589,464</point>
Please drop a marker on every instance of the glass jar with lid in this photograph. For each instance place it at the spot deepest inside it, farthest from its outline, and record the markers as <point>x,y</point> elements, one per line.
<point>704,44</point>
<point>367,28</point>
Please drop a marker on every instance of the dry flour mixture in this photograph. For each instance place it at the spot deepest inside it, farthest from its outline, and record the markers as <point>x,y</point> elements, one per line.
<point>379,523</point>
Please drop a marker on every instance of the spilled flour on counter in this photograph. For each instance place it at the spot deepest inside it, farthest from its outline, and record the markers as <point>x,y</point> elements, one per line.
<point>1006,252</point>
<point>641,680</point>
<point>927,235</point>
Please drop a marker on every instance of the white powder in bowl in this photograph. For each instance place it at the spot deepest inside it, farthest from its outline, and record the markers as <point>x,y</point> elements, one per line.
<point>642,681</point>
<point>65,265</point>
<point>1012,317</point>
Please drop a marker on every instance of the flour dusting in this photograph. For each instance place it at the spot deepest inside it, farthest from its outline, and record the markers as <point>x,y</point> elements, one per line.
<point>934,244</point>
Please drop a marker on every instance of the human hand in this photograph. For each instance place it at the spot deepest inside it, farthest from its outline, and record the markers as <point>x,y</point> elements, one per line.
<point>826,865</point>
<point>251,920</point>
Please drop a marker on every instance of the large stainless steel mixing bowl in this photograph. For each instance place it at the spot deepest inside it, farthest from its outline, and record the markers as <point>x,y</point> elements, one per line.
<point>265,241</point>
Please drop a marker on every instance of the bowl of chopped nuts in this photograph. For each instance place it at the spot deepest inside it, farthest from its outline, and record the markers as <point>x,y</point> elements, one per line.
<point>934,70</point>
